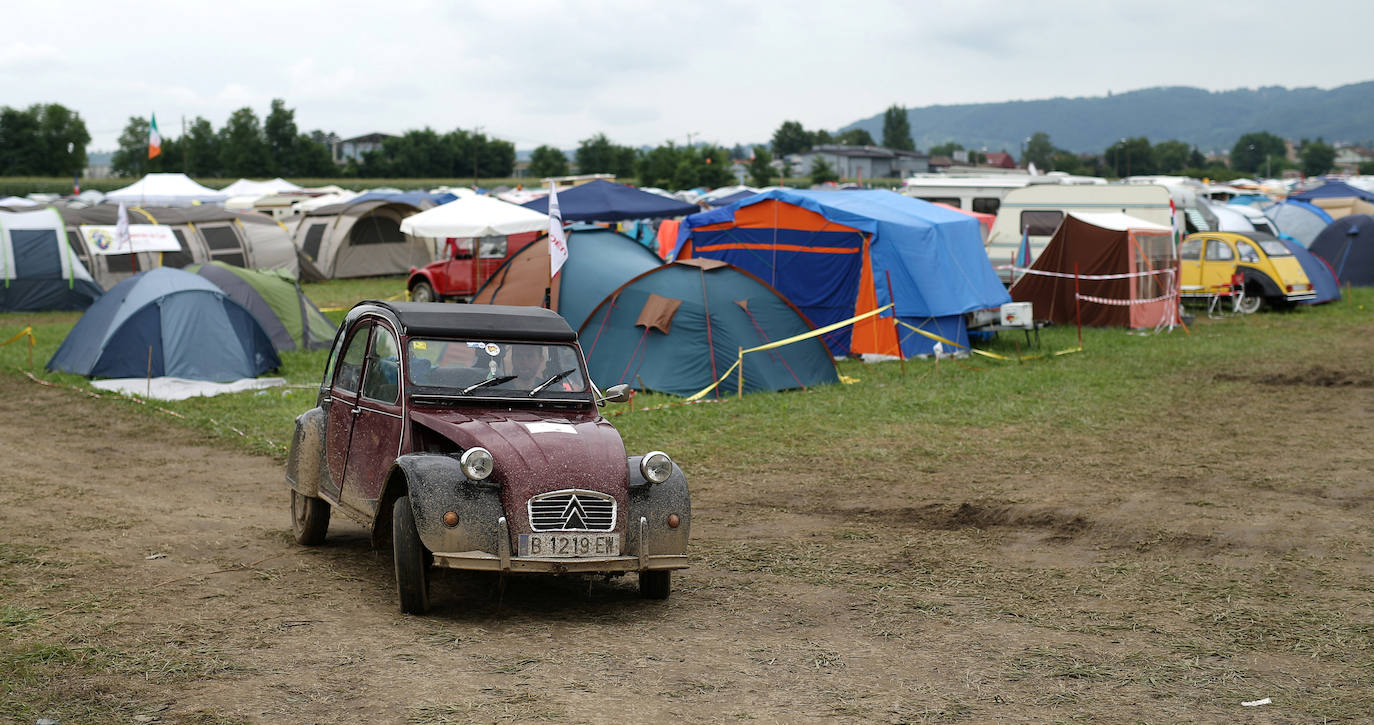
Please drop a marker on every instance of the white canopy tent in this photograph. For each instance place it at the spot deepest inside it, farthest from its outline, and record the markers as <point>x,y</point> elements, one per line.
<point>474,217</point>
<point>166,190</point>
<point>245,187</point>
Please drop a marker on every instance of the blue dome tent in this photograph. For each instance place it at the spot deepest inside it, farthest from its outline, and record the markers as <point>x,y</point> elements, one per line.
<point>181,321</point>
<point>1348,245</point>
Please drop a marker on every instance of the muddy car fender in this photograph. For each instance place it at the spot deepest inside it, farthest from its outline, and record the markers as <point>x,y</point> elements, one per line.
<point>436,486</point>
<point>305,462</point>
<point>655,502</point>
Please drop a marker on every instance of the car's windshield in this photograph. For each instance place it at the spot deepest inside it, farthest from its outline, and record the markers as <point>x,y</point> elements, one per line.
<point>1273,248</point>
<point>484,368</point>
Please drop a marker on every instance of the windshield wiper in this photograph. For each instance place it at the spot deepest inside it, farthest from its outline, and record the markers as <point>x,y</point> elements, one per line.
<point>551,381</point>
<point>488,381</point>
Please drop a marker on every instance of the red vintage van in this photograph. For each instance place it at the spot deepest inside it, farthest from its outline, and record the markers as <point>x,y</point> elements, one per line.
<point>468,263</point>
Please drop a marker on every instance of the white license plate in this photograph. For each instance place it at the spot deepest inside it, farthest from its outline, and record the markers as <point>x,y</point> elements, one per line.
<point>569,546</point>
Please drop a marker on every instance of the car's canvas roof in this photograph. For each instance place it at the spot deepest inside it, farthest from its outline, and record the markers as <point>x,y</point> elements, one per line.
<point>502,322</point>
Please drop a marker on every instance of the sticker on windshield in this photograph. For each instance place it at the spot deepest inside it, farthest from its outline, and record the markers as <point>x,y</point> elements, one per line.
<point>419,344</point>
<point>549,428</point>
<point>493,349</point>
<point>478,345</point>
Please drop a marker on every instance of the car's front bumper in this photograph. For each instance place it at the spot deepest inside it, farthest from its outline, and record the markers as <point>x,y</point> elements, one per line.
<point>503,561</point>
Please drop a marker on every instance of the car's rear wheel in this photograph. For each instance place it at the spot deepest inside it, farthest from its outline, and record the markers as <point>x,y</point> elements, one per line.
<point>412,560</point>
<point>1250,304</point>
<point>423,292</point>
<point>655,584</point>
<point>309,518</point>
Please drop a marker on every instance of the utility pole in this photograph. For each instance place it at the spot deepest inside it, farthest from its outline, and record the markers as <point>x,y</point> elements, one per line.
<point>475,132</point>
<point>185,152</point>
<point>689,138</point>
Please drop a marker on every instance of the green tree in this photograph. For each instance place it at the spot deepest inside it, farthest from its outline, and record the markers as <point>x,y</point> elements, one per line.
<point>1257,150</point>
<point>548,161</point>
<point>821,137</point>
<point>1040,151</point>
<point>1366,168</point>
<point>713,166</point>
<point>21,154</point>
<point>822,171</point>
<point>202,149</point>
<point>791,138</point>
<point>1131,157</point>
<point>243,146</point>
<point>62,137</point>
<point>597,155</point>
<point>1195,159</point>
<point>946,149</point>
<point>279,129</point>
<point>1171,156</point>
<point>1065,161</point>
<point>658,166</point>
<point>131,158</point>
<point>313,157</point>
<point>855,137</point>
<point>1317,157</point>
<point>897,129</point>
<point>761,171</point>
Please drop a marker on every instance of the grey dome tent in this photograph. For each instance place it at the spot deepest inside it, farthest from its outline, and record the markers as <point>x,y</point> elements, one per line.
<point>39,270</point>
<point>179,324</point>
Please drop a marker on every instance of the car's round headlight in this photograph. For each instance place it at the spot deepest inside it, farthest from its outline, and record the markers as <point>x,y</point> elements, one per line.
<point>656,466</point>
<point>477,463</point>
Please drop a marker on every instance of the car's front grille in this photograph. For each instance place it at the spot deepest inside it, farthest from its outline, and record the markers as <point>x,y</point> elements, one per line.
<point>572,510</point>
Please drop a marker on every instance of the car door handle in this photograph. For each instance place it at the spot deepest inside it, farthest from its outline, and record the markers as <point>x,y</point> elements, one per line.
<point>356,410</point>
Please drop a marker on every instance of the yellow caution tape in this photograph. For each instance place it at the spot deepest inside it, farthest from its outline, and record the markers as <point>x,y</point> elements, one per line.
<point>819,331</point>
<point>847,380</point>
<point>930,335</point>
<point>712,386</point>
<point>27,331</point>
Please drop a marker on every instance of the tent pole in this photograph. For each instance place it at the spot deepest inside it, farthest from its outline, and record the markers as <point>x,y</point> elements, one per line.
<point>739,392</point>
<point>148,393</point>
<point>1077,309</point>
<point>900,356</point>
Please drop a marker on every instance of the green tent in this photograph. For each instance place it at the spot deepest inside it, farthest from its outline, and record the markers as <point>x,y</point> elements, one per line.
<point>291,320</point>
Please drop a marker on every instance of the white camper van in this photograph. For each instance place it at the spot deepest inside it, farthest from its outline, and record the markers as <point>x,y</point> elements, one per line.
<point>1037,211</point>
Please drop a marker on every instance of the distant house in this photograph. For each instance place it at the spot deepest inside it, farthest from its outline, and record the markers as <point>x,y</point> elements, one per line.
<point>1349,157</point>
<point>98,165</point>
<point>354,148</point>
<point>1000,159</point>
<point>869,162</point>
<point>938,163</point>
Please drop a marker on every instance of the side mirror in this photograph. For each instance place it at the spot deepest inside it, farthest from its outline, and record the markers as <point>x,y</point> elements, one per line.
<point>616,394</point>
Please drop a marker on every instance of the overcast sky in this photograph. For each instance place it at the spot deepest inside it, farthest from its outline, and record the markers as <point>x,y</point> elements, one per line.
<point>535,72</point>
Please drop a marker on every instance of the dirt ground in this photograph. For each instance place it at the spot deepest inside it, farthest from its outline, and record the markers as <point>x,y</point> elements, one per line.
<point>1108,577</point>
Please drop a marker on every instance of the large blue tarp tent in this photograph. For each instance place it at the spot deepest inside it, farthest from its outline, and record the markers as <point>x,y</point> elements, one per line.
<point>38,270</point>
<point>1333,190</point>
<point>1298,219</point>
<point>181,322</point>
<point>679,327</point>
<point>835,253</point>
<point>1319,273</point>
<point>1348,245</point>
<point>599,261</point>
<point>607,201</point>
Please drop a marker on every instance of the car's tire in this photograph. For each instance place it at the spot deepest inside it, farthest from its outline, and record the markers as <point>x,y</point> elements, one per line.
<point>412,560</point>
<point>655,584</point>
<point>309,518</point>
<point>423,292</point>
<point>1250,304</point>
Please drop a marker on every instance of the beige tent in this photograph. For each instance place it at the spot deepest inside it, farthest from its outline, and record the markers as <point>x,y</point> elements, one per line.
<point>1342,206</point>
<point>360,240</point>
<point>206,233</point>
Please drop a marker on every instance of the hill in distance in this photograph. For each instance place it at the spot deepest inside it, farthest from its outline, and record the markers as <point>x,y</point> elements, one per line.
<point>1212,121</point>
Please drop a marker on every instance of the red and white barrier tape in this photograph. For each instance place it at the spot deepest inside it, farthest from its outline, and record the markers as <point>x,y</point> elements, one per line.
<point>1123,303</point>
<point>1064,275</point>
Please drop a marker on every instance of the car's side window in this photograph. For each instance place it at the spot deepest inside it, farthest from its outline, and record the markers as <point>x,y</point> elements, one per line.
<point>1247,253</point>
<point>382,376</point>
<point>351,364</point>
<point>1190,249</point>
<point>1219,251</point>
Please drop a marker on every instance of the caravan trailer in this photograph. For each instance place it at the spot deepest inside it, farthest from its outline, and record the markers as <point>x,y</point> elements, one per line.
<point>981,193</point>
<point>1037,211</point>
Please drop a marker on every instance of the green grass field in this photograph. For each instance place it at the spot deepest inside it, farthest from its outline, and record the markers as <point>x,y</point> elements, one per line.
<point>1073,391</point>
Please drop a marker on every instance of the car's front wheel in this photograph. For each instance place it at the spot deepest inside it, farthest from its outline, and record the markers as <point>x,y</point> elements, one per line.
<point>412,560</point>
<point>423,292</point>
<point>309,518</point>
<point>655,584</point>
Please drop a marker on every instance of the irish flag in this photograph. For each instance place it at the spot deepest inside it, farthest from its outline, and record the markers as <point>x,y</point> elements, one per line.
<point>154,139</point>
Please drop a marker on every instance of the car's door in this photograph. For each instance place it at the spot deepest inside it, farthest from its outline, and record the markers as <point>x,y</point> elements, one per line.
<point>340,404</point>
<point>377,428</point>
<point>1218,263</point>
<point>1190,264</point>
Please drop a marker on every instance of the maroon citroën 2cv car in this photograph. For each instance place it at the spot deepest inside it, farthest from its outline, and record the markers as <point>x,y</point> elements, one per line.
<point>470,436</point>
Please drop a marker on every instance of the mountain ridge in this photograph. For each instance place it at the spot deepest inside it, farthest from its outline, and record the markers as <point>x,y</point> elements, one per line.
<point>1210,120</point>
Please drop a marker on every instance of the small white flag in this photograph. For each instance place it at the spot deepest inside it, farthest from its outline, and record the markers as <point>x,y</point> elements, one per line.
<point>122,239</point>
<point>558,244</point>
